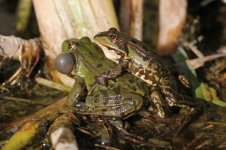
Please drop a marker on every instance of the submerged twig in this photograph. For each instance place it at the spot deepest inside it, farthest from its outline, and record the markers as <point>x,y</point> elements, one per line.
<point>85,131</point>
<point>201,146</point>
<point>197,138</point>
<point>106,147</point>
<point>217,123</point>
<point>195,50</point>
<point>198,62</point>
<point>126,134</point>
<point>222,144</point>
<point>16,99</point>
<point>50,112</point>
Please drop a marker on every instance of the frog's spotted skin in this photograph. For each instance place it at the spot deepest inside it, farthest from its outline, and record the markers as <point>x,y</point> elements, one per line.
<point>146,65</point>
<point>112,102</point>
<point>120,99</point>
<point>142,63</point>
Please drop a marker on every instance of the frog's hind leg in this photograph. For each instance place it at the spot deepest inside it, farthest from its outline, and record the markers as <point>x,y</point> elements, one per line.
<point>112,106</point>
<point>160,104</point>
<point>175,99</point>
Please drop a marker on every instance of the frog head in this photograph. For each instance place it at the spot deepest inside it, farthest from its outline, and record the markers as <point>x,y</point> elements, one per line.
<point>112,44</point>
<point>65,62</point>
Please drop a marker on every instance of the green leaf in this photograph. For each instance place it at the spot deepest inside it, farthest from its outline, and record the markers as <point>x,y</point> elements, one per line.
<point>210,94</point>
<point>199,90</point>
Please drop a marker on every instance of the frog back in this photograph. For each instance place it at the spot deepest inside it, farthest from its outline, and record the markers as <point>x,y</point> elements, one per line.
<point>93,58</point>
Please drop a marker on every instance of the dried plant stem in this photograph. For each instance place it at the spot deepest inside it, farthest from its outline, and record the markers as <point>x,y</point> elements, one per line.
<point>59,20</point>
<point>131,17</point>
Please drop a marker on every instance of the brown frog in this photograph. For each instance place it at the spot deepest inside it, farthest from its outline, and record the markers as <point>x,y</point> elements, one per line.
<point>134,56</point>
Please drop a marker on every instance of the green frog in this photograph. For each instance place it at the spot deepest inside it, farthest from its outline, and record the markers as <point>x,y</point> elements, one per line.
<point>85,61</point>
<point>144,63</point>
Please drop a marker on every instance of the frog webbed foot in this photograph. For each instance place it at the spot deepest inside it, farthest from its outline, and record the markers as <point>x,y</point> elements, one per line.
<point>194,109</point>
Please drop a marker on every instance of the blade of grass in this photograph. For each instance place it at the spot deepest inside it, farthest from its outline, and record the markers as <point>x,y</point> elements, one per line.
<point>199,90</point>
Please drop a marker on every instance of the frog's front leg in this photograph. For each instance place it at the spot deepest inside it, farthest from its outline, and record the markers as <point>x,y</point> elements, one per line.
<point>160,104</point>
<point>113,73</point>
<point>76,91</point>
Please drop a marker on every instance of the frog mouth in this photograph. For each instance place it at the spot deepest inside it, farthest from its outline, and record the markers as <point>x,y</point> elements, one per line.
<point>107,49</point>
<point>110,53</point>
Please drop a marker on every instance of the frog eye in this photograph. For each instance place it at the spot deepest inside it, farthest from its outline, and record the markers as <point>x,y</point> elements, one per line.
<point>112,30</point>
<point>85,39</point>
<point>65,62</point>
<point>71,45</point>
<point>112,37</point>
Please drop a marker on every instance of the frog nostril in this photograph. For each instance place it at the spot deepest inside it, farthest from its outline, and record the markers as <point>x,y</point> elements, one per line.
<point>64,63</point>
